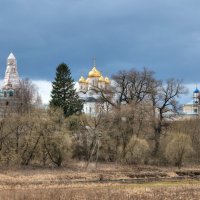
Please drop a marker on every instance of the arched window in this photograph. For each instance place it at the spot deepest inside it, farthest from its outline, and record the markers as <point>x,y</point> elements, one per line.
<point>10,93</point>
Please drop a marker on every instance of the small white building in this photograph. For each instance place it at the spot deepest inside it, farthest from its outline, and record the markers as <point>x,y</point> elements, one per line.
<point>192,108</point>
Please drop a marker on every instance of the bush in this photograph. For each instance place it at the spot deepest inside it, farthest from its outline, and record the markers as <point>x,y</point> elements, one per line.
<point>178,149</point>
<point>58,148</point>
<point>137,150</point>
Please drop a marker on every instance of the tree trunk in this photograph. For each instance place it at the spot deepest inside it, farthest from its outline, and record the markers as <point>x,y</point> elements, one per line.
<point>157,139</point>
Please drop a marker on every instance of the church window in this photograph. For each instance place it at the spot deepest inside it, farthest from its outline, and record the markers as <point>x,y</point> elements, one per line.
<point>5,94</point>
<point>10,93</point>
<point>195,110</point>
<point>7,103</point>
<point>90,109</point>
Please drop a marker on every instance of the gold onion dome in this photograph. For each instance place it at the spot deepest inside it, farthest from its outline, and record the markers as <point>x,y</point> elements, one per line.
<point>107,80</point>
<point>82,80</point>
<point>94,73</point>
<point>87,80</point>
<point>101,79</point>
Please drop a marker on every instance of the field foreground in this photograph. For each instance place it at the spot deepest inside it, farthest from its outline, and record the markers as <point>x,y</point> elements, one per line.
<point>107,182</point>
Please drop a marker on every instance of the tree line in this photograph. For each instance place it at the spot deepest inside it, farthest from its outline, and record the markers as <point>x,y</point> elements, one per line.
<point>139,128</point>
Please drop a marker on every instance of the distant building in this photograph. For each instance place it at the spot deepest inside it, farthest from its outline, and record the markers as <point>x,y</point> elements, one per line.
<point>193,108</point>
<point>11,83</point>
<point>89,90</point>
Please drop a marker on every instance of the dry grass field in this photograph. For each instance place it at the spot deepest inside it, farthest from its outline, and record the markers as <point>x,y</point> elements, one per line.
<point>111,192</point>
<point>74,182</point>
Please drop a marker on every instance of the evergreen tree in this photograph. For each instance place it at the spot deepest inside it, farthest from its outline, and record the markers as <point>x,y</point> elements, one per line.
<point>63,94</point>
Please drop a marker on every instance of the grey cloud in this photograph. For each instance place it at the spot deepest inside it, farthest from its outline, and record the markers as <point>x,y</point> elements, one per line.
<point>161,35</point>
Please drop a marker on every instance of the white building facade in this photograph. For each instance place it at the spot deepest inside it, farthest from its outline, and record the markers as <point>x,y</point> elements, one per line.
<point>192,108</point>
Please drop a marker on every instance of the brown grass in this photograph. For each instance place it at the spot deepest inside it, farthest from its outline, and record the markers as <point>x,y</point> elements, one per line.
<point>104,192</point>
<point>50,184</point>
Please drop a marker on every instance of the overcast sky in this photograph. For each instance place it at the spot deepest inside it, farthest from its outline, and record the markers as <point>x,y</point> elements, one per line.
<point>161,35</point>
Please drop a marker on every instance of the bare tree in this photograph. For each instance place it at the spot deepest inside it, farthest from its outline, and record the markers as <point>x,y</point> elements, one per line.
<point>164,97</point>
<point>93,127</point>
<point>131,120</point>
<point>127,87</point>
<point>141,88</point>
<point>26,97</point>
<point>133,86</point>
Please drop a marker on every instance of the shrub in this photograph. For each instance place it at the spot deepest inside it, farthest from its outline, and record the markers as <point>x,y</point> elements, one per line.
<point>178,149</point>
<point>136,150</point>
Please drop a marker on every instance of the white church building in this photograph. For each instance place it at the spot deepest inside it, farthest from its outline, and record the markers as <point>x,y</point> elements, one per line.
<point>90,90</point>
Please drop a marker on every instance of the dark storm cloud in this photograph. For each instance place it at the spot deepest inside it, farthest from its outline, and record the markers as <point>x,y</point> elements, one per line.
<point>121,34</point>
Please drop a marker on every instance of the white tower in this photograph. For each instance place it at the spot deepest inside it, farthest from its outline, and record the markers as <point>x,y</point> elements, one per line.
<point>195,100</point>
<point>11,79</point>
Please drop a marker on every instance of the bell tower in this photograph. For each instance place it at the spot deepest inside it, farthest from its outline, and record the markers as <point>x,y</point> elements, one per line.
<point>196,100</point>
<point>11,79</point>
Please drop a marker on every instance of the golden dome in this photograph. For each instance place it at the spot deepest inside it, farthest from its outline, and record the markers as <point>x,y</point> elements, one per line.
<point>101,79</point>
<point>94,73</point>
<point>82,80</point>
<point>87,80</point>
<point>107,80</point>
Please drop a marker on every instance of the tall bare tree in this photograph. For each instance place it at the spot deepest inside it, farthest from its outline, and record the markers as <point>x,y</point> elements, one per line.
<point>164,96</point>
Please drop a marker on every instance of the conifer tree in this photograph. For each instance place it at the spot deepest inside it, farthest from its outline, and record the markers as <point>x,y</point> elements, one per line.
<point>63,94</point>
